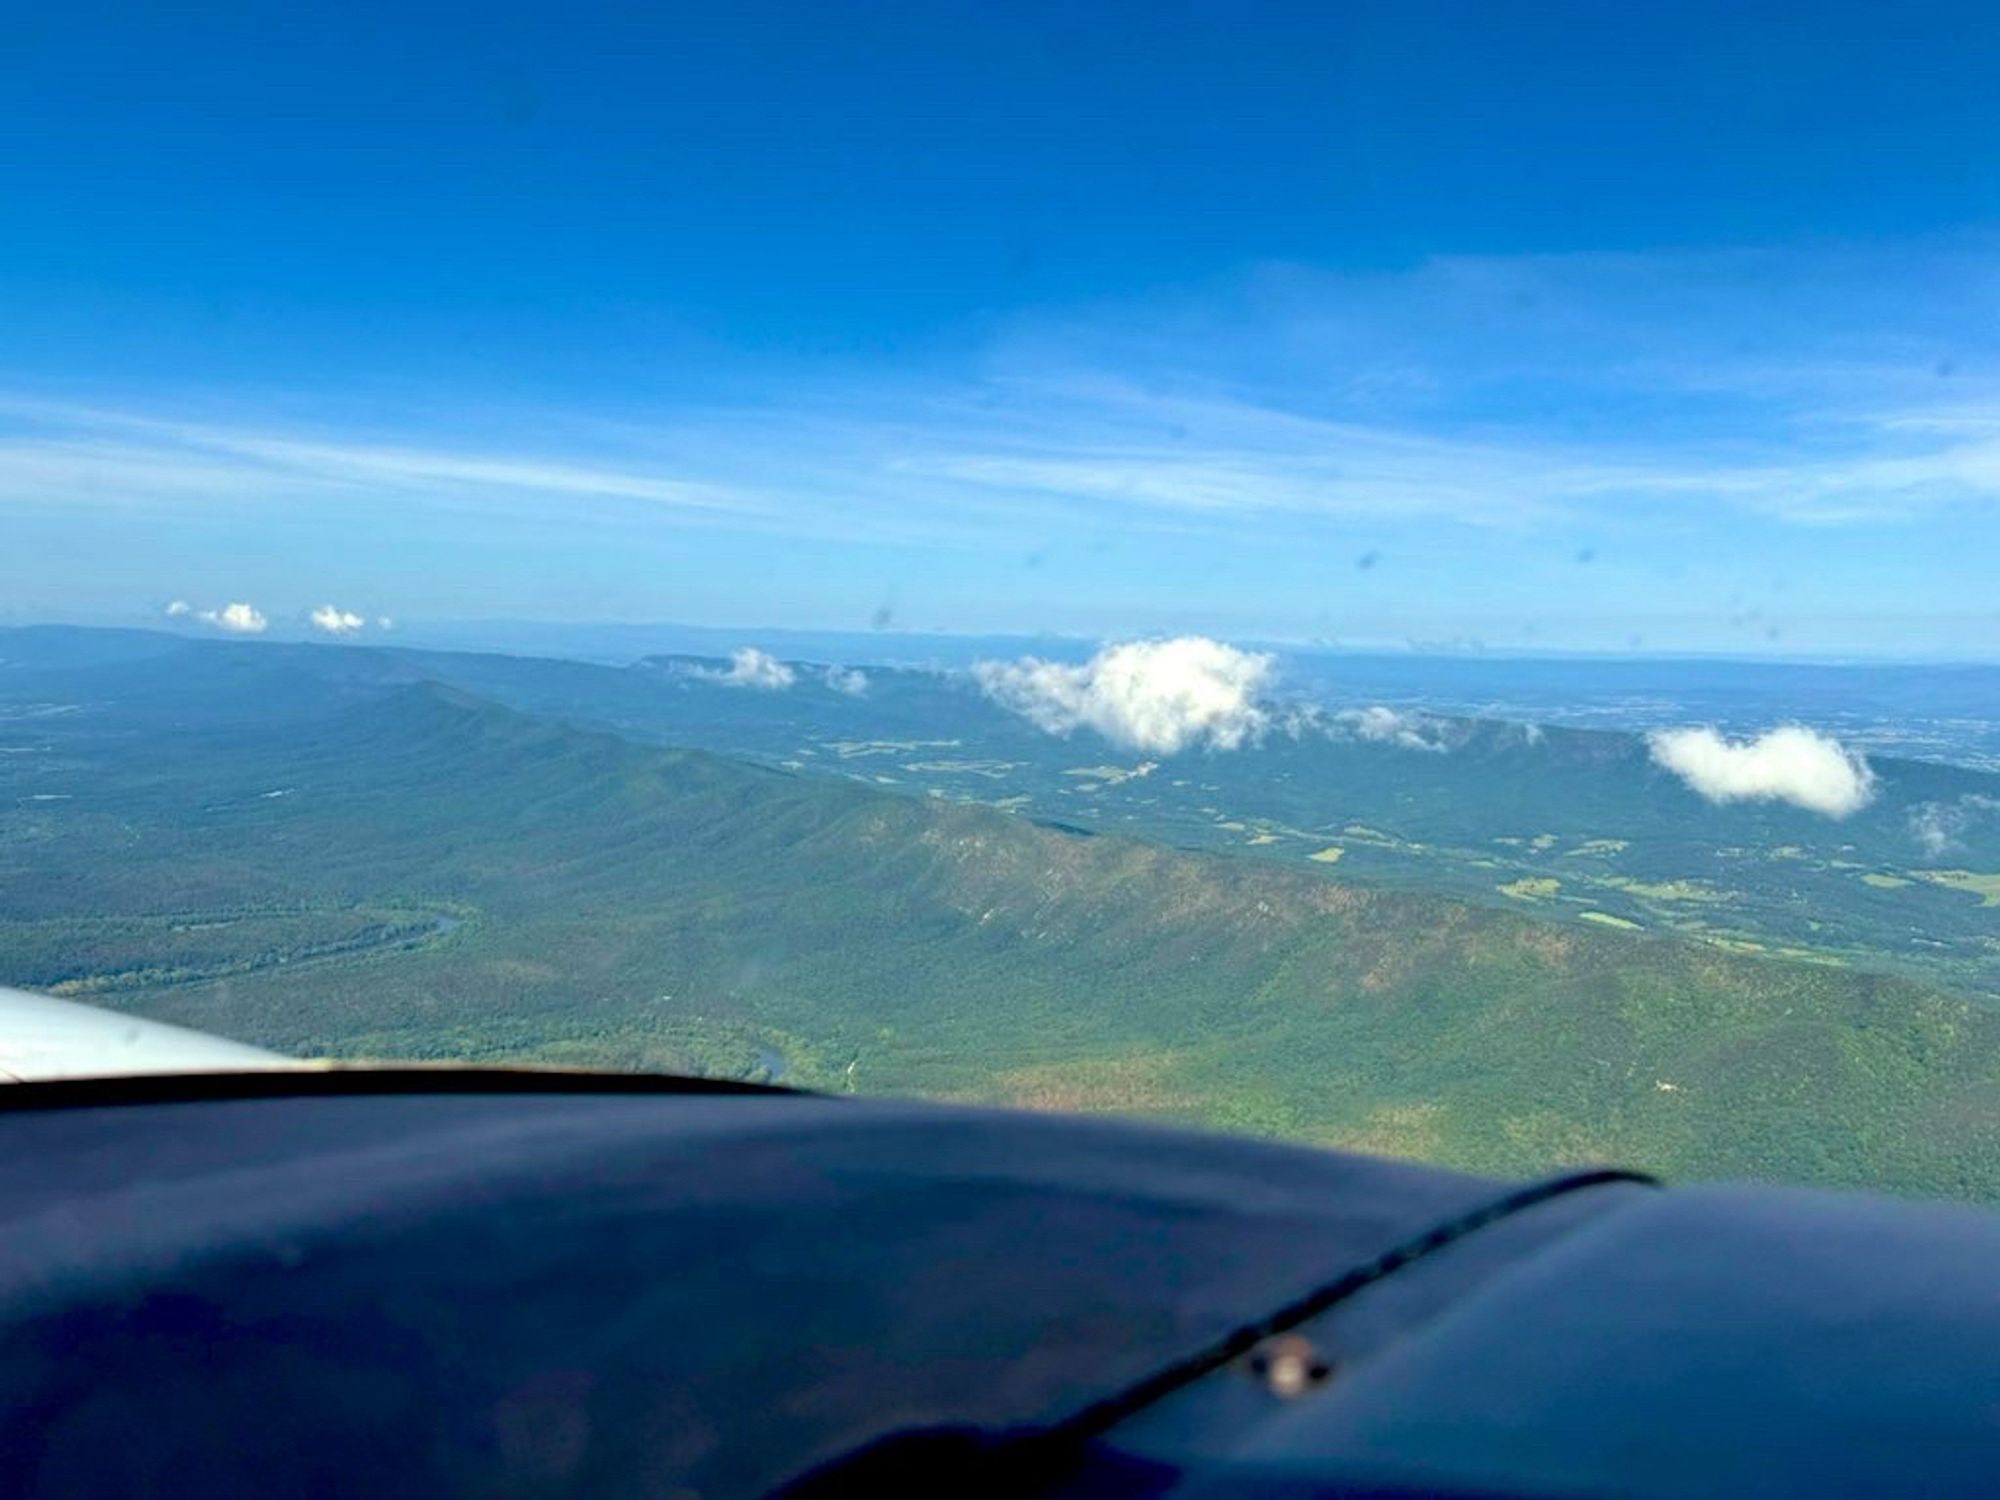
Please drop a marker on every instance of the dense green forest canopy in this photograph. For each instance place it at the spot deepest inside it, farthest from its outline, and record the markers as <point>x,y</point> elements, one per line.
<point>339,852</point>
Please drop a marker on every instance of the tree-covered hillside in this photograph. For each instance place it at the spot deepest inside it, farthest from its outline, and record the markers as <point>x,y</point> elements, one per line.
<point>333,862</point>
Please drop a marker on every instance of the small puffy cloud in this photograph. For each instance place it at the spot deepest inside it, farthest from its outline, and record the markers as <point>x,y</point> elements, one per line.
<point>334,621</point>
<point>179,609</point>
<point>1160,696</point>
<point>1792,764</point>
<point>849,680</point>
<point>750,668</point>
<point>1940,827</point>
<point>1387,726</point>
<point>238,619</point>
<point>384,622</point>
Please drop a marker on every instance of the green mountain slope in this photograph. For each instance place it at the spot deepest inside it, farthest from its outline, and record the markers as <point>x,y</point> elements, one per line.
<point>412,871</point>
<point>1576,825</point>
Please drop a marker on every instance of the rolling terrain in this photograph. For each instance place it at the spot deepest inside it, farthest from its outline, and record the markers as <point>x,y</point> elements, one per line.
<point>334,852</point>
<point>1577,823</point>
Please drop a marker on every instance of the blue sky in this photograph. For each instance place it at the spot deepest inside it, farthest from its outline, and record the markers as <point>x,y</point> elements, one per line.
<point>1547,326</point>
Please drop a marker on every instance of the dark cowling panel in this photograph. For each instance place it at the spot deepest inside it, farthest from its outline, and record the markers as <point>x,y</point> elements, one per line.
<point>1709,1341</point>
<point>642,1295</point>
<point>523,1284</point>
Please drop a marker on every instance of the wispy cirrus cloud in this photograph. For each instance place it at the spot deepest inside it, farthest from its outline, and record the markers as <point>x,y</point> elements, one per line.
<point>1940,828</point>
<point>1489,392</point>
<point>99,449</point>
<point>1045,450</point>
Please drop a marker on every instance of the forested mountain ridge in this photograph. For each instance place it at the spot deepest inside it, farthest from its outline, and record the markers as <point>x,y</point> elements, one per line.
<point>1579,825</point>
<point>339,862</point>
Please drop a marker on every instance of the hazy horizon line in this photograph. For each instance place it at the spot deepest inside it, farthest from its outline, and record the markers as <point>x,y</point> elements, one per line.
<point>406,630</point>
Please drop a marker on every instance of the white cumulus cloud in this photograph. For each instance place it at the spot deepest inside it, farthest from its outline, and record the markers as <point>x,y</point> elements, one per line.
<point>1160,696</point>
<point>178,609</point>
<point>335,621</point>
<point>239,619</point>
<point>849,680</point>
<point>1388,726</point>
<point>750,668</point>
<point>1791,764</point>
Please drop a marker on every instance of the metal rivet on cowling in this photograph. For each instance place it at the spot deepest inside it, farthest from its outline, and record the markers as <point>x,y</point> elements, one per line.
<point>1289,1366</point>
